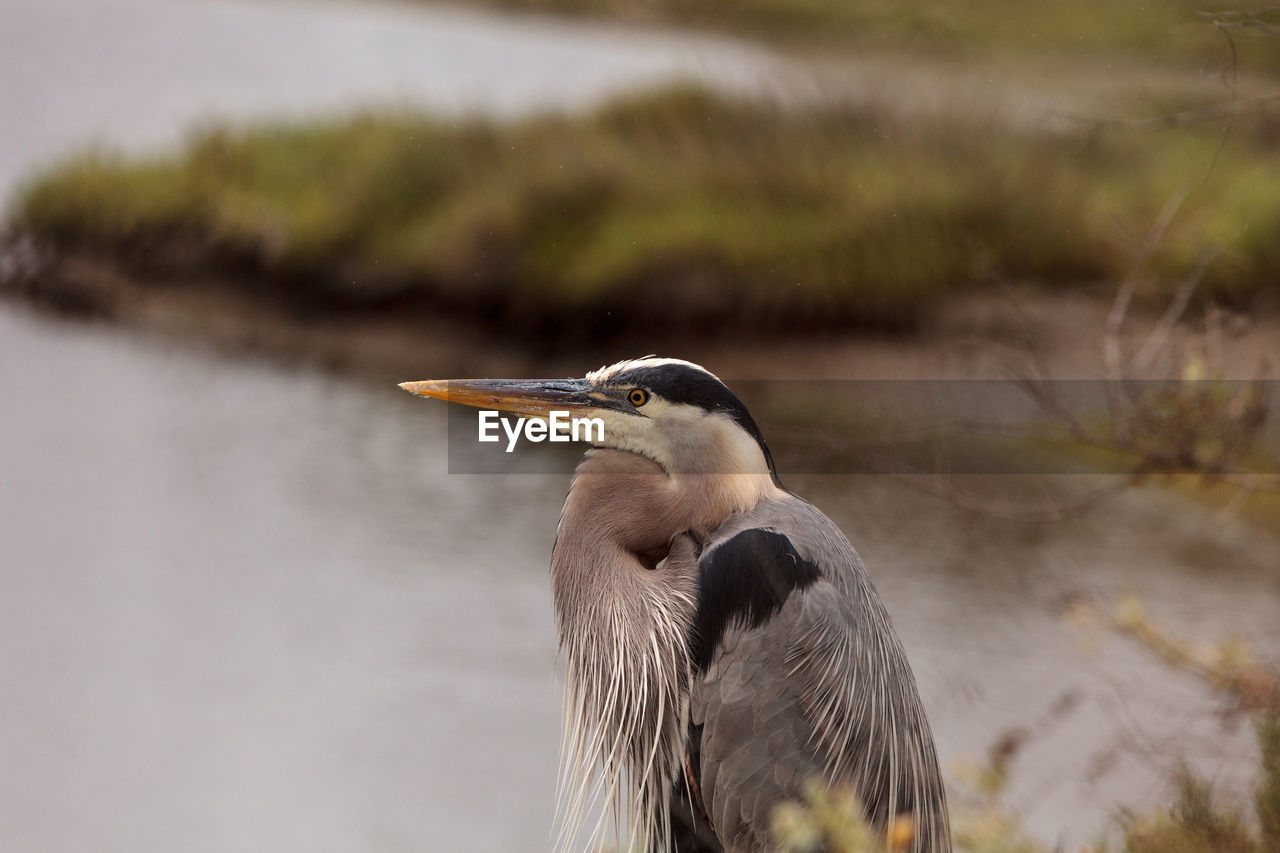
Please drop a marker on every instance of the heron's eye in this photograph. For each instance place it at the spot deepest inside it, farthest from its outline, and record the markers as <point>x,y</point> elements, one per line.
<point>638,396</point>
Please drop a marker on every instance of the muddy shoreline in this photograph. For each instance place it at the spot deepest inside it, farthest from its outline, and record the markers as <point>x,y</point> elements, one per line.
<point>998,332</point>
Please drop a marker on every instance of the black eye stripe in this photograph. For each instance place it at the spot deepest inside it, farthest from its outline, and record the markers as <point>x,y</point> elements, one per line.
<point>682,383</point>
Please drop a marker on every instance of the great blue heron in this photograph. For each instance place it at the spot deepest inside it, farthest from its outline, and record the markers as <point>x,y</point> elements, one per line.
<point>723,641</point>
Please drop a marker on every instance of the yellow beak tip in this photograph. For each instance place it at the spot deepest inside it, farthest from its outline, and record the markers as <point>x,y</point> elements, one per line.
<point>426,388</point>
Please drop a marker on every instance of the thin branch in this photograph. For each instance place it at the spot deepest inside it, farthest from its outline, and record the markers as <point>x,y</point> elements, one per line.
<point>1156,341</point>
<point>1010,510</point>
<point>1111,355</point>
<point>1213,337</point>
<point>1242,13</point>
<point>1217,111</point>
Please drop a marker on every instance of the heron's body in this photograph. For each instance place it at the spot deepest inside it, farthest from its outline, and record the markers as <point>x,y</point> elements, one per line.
<point>724,643</point>
<point>792,691</point>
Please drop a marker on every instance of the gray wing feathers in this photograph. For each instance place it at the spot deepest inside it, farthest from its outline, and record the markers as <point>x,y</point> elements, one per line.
<point>754,753</point>
<point>821,689</point>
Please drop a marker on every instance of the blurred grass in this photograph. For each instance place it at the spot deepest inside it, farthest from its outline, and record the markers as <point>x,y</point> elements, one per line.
<point>1195,821</point>
<point>674,206</point>
<point>1172,31</point>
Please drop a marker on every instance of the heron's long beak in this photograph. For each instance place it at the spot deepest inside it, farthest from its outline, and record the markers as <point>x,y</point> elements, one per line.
<point>536,397</point>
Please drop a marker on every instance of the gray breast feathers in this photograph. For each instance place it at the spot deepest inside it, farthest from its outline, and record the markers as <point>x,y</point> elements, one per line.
<point>801,675</point>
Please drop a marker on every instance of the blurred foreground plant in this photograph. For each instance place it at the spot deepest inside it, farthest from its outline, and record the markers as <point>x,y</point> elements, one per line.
<point>827,819</point>
<point>1196,821</point>
<point>1228,666</point>
<point>830,821</point>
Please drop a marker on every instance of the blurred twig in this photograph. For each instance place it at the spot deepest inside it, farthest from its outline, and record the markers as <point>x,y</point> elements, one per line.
<point>1228,665</point>
<point>1187,423</point>
<point>945,487</point>
<point>1194,117</point>
<point>1228,23</point>
<point>1157,340</point>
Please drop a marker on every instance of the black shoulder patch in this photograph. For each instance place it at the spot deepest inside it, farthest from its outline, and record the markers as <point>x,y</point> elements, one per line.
<point>744,581</point>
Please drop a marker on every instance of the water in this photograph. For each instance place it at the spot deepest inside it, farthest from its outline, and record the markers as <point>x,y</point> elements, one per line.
<point>139,73</point>
<point>245,607</point>
<point>225,628</point>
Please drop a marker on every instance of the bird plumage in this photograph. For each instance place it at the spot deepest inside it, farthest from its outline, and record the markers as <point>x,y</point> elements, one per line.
<point>797,687</point>
<point>723,642</point>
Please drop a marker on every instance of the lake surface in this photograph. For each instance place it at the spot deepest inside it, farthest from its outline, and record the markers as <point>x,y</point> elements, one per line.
<point>245,607</point>
<point>139,73</point>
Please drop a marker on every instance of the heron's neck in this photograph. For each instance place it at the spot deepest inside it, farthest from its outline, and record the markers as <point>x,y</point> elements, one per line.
<point>624,627</point>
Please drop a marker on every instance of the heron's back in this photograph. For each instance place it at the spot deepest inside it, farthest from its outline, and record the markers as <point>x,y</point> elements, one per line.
<point>803,676</point>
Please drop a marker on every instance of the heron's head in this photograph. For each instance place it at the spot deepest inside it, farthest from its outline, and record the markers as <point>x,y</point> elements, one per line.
<point>674,412</point>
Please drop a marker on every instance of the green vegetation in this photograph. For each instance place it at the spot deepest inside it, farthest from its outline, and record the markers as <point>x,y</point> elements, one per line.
<point>677,204</point>
<point>1267,795</point>
<point>1175,31</point>
<point>1196,821</point>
